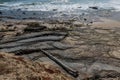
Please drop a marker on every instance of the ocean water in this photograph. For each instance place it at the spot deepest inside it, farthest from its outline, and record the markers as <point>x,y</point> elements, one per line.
<point>58,5</point>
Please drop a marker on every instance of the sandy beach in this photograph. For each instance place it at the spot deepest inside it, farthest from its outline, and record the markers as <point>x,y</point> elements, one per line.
<point>89,44</point>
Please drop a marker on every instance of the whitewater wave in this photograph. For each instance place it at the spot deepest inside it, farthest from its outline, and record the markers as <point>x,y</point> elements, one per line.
<point>58,5</point>
<point>115,4</point>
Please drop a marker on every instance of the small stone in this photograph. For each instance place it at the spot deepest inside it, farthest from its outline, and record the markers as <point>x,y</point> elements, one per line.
<point>94,7</point>
<point>116,54</point>
<point>54,9</point>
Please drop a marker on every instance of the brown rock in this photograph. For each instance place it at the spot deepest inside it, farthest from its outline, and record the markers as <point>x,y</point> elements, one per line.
<point>17,68</point>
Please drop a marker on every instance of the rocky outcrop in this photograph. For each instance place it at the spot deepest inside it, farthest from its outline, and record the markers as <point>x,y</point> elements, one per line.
<point>90,50</point>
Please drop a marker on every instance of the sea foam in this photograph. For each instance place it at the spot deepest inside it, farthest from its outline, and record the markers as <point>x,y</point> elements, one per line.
<point>59,5</point>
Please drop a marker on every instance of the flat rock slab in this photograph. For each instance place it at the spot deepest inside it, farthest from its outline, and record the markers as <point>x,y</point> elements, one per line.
<point>33,35</point>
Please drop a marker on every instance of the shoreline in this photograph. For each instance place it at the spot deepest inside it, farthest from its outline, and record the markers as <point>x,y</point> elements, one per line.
<point>19,14</point>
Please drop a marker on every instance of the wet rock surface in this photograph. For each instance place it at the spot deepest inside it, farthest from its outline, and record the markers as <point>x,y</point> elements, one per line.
<point>94,52</point>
